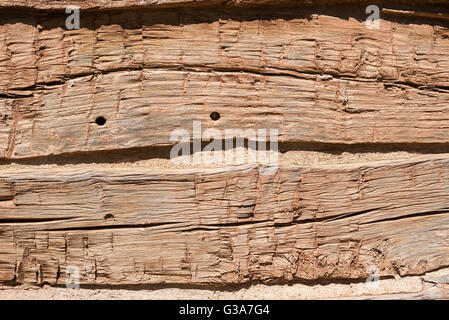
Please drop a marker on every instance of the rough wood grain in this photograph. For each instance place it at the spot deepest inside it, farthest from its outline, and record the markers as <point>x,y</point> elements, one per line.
<point>235,225</point>
<point>115,4</point>
<point>315,78</point>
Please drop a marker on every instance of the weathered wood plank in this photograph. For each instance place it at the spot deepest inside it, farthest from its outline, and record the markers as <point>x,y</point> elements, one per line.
<point>314,78</point>
<point>281,41</point>
<point>128,226</point>
<point>142,108</point>
<point>114,4</point>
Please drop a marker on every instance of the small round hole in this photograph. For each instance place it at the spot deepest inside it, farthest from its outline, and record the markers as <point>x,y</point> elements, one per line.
<point>215,116</point>
<point>109,217</point>
<point>100,121</point>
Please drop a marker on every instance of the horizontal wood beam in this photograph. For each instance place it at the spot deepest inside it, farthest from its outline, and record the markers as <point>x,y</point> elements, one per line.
<point>314,78</point>
<point>119,4</point>
<point>225,226</point>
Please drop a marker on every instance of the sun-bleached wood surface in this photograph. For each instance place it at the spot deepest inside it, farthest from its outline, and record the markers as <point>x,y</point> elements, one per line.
<point>315,78</point>
<point>127,4</point>
<point>313,72</point>
<point>225,226</point>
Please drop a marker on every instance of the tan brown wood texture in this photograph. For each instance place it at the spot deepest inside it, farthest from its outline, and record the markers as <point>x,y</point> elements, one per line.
<point>126,4</point>
<point>314,72</point>
<point>314,77</point>
<point>123,226</point>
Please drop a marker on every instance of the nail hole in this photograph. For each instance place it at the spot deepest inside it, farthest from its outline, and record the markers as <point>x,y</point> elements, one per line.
<point>100,121</point>
<point>109,217</point>
<point>215,116</point>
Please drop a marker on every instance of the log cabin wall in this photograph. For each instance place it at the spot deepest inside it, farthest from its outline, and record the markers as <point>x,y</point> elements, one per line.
<point>114,90</point>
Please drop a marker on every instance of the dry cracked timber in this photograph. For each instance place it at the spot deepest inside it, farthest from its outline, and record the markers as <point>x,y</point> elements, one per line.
<point>314,72</point>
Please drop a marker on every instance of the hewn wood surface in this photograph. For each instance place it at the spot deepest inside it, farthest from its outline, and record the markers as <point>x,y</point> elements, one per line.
<point>316,74</point>
<point>114,4</point>
<point>314,77</point>
<point>131,226</point>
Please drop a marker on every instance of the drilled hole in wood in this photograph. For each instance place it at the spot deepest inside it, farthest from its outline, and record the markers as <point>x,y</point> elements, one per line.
<point>100,121</point>
<point>215,116</point>
<point>109,217</point>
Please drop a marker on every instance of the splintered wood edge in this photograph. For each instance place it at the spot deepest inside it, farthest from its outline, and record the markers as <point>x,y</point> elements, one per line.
<point>132,226</point>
